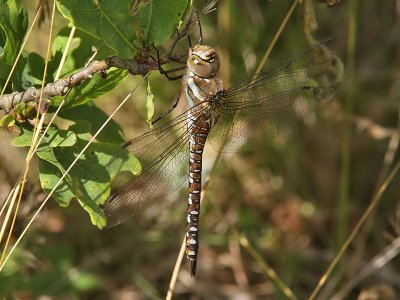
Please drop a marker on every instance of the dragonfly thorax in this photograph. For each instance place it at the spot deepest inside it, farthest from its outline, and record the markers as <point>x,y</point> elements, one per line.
<point>203,61</point>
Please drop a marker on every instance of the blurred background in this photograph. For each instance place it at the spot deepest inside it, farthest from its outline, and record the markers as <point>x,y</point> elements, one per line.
<point>294,199</point>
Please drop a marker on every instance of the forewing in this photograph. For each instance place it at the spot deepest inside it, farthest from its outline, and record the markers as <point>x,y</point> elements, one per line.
<point>271,102</point>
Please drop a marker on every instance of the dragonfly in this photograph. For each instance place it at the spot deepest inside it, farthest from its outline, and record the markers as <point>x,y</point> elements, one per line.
<point>260,107</point>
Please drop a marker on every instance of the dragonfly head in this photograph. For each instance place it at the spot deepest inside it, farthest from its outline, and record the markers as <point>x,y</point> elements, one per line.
<point>203,61</point>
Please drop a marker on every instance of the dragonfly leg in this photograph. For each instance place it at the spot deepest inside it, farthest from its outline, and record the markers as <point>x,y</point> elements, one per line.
<point>200,30</point>
<point>167,72</point>
<point>170,56</point>
<point>174,104</point>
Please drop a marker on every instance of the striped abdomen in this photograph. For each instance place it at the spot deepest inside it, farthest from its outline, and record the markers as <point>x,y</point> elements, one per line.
<point>197,141</point>
<point>201,83</point>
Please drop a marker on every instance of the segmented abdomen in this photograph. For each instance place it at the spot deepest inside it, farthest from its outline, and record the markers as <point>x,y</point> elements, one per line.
<point>200,121</point>
<point>198,136</point>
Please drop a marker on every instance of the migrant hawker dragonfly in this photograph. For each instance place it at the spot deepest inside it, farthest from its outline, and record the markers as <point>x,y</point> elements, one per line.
<point>261,107</point>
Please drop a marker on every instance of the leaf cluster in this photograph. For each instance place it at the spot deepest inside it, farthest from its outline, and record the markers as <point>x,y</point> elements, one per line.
<point>112,30</point>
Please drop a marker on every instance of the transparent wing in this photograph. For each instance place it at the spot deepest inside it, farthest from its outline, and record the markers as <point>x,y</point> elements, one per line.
<point>271,102</point>
<point>164,155</point>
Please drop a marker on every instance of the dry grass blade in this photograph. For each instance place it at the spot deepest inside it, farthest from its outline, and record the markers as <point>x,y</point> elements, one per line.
<point>383,258</point>
<point>266,268</point>
<point>19,187</point>
<point>175,273</point>
<point>10,201</point>
<point>15,190</point>
<point>377,197</point>
<point>277,35</point>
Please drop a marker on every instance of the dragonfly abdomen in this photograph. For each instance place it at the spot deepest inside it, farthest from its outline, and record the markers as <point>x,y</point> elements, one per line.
<point>198,136</point>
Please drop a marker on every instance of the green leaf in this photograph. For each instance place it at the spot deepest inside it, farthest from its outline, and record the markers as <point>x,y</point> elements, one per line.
<point>159,18</point>
<point>107,20</point>
<point>81,49</point>
<point>89,89</point>
<point>25,137</point>
<point>54,137</point>
<point>13,26</point>
<point>19,108</point>
<point>149,104</point>
<point>49,175</point>
<point>33,71</point>
<point>112,133</point>
<point>91,176</point>
<point>89,179</point>
<point>7,121</point>
<point>49,163</point>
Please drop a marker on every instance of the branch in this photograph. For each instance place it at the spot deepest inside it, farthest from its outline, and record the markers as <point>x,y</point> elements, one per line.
<point>61,86</point>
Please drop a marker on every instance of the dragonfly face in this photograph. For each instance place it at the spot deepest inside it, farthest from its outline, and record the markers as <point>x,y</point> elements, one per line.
<point>203,61</point>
